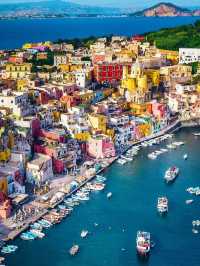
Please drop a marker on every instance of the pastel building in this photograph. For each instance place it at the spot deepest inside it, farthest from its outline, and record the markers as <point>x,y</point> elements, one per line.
<point>100,146</point>
<point>39,170</point>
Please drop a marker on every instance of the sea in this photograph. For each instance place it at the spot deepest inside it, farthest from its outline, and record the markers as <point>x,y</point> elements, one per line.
<point>135,187</point>
<point>14,33</point>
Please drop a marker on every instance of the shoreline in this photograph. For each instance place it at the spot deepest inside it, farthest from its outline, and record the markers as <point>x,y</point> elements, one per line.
<point>16,232</point>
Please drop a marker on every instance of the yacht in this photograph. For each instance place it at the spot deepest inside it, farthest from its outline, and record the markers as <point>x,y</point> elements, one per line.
<point>162,205</point>
<point>185,156</point>
<point>143,244</point>
<point>171,174</point>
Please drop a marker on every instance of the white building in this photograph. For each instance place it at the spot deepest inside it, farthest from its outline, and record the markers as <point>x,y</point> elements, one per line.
<point>82,80</point>
<point>181,88</point>
<point>16,101</point>
<point>39,169</point>
<point>60,59</point>
<point>189,55</point>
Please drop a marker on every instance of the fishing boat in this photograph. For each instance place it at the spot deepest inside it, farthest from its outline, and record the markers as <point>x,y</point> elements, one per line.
<point>171,174</point>
<point>109,195</point>
<point>74,250</point>
<point>143,244</point>
<point>185,156</point>
<point>84,233</point>
<point>162,205</point>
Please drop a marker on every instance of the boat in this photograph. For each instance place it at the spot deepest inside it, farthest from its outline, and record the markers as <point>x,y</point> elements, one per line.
<point>127,158</point>
<point>36,226</point>
<point>121,161</point>
<point>84,233</point>
<point>9,249</point>
<point>195,231</point>
<point>74,250</point>
<point>109,195</point>
<point>27,236</point>
<point>97,186</point>
<point>143,244</point>
<point>189,201</point>
<point>196,134</point>
<point>152,156</point>
<point>162,205</point>
<point>171,174</point>
<point>185,156</point>
<point>38,233</point>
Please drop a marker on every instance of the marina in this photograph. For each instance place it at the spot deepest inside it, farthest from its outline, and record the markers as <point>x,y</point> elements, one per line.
<point>95,213</point>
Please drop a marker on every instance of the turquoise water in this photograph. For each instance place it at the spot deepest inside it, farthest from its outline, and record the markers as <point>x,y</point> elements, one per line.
<point>16,32</point>
<point>135,189</point>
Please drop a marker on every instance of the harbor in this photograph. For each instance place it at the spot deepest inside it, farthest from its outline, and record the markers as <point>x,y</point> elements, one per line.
<point>107,162</point>
<point>120,233</point>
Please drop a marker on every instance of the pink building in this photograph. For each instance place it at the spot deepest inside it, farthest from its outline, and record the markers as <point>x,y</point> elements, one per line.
<point>100,146</point>
<point>158,110</point>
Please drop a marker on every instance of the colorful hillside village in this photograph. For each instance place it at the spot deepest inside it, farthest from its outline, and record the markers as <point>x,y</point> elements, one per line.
<point>63,109</point>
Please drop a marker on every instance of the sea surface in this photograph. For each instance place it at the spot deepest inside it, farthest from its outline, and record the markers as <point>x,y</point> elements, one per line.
<point>135,187</point>
<point>14,33</point>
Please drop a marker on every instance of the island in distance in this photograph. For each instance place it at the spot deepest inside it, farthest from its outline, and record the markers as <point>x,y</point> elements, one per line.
<point>62,8</point>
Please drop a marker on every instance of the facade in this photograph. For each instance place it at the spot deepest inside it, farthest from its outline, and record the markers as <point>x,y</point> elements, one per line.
<point>39,170</point>
<point>189,55</point>
<point>100,146</point>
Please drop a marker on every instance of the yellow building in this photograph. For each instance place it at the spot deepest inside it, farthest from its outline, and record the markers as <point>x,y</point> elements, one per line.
<point>4,155</point>
<point>18,71</point>
<point>22,84</point>
<point>98,122</point>
<point>69,67</point>
<point>138,109</point>
<point>154,76</point>
<point>144,130</point>
<point>83,136</point>
<point>86,96</point>
<point>3,184</point>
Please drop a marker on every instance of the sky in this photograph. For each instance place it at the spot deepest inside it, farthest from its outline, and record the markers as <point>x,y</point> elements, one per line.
<point>118,3</point>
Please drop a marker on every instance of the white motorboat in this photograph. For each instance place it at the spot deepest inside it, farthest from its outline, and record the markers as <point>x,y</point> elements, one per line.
<point>84,233</point>
<point>185,156</point>
<point>109,195</point>
<point>162,205</point>
<point>152,156</point>
<point>171,174</point>
<point>189,201</point>
<point>121,161</point>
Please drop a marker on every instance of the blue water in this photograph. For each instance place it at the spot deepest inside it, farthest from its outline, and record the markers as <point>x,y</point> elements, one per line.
<point>16,32</point>
<point>135,189</point>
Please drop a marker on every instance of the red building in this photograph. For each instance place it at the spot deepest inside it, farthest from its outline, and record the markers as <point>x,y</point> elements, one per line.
<point>110,72</point>
<point>138,38</point>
